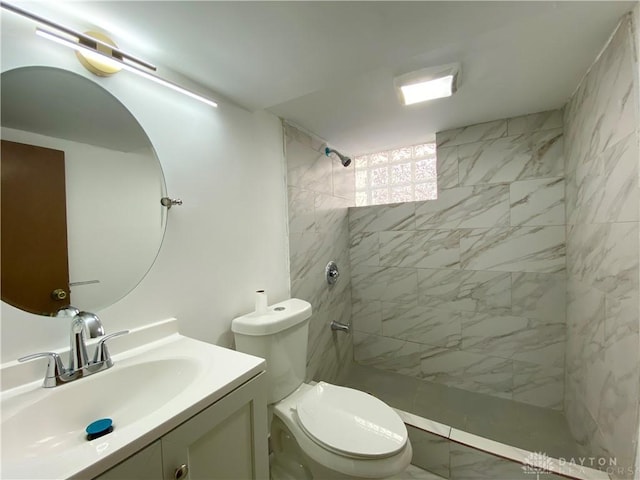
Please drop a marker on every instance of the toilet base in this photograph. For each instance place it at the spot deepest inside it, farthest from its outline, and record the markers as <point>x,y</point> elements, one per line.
<point>286,460</point>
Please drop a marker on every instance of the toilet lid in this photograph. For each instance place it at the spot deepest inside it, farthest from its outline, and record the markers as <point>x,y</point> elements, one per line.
<point>351,422</point>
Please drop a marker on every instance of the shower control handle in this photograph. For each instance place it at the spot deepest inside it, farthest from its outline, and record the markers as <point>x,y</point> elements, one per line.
<point>181,472</point>
<point>332,273</point>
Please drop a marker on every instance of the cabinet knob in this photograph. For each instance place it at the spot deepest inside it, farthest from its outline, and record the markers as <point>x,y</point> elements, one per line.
<point>181,472</point>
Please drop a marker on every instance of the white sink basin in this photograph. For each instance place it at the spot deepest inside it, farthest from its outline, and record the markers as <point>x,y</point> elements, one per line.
<point>57,420</point>
<point>149,391</point>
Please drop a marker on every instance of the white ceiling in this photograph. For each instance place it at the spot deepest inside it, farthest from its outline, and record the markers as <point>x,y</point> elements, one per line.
<point>329,66</point>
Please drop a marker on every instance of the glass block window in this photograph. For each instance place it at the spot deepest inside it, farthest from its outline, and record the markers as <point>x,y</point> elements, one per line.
<point>404,174</point>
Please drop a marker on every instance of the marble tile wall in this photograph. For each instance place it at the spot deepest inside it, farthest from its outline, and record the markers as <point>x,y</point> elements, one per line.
<point>602,200</point>
<point>320,190</point>
<point>468,290</point>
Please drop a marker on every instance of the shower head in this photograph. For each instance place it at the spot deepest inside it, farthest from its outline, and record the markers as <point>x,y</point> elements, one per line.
<point>346,161</point>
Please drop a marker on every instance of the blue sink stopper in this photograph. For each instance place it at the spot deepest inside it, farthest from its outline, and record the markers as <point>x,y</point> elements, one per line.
<point>99,428</point>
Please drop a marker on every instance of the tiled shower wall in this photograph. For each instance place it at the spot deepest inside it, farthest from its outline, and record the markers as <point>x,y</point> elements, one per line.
<point>469,289</point>
<point>601,149</point>
<point>320,190</point>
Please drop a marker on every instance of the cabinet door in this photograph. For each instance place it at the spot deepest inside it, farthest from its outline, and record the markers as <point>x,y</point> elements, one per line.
<point>227,440</point>
<point>144,465</point>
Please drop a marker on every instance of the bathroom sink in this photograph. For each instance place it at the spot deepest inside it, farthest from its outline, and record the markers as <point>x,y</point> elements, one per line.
<point>54,422</point>
<point>150,390</point>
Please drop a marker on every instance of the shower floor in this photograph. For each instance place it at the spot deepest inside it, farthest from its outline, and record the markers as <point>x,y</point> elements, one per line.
<point>415,473</point>
<point>513,423</point>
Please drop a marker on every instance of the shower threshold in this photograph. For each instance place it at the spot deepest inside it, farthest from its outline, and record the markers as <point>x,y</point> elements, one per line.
<point>459,434</point>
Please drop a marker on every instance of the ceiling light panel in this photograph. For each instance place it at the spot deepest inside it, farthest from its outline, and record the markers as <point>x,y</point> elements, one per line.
<point>428,83</point>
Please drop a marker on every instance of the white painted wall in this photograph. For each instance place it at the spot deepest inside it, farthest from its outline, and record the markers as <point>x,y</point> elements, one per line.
<point>114,217</point>
<point>227,240</point>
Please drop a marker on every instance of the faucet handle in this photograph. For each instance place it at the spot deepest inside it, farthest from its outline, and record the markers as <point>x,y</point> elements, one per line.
<point>55,368</point>
<point>102,352</point>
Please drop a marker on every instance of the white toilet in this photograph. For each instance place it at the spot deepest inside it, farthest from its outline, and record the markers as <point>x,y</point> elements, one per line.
<point>319,431</point>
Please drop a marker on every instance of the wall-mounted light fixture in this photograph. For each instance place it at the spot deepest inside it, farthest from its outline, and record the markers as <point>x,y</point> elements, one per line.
<point>427,83</point>
<point>99,54</point>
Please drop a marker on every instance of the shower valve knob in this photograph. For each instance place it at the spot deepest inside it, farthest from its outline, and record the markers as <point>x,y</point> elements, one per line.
<point>332,273</point>
<point>181,472</point>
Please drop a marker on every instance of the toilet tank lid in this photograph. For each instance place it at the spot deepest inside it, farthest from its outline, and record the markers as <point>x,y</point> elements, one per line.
<point>278,317</point>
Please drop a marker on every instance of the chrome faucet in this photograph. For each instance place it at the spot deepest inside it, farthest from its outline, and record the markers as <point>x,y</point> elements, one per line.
<point>83,323</point>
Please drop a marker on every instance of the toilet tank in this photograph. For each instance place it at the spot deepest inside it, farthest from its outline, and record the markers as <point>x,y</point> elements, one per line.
<point>279,336</point>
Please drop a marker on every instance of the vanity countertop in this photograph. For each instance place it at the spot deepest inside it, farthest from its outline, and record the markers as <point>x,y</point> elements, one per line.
<point>150,390</point>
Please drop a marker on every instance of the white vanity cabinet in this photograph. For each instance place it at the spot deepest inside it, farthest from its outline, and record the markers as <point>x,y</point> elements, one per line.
<point>144,465</point>
<point>227,440</point>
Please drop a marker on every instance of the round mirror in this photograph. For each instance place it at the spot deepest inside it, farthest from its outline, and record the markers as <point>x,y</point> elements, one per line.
<point>81,186</point>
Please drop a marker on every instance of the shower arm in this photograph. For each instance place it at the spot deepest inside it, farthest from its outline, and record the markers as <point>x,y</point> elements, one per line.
<point>346,161</point>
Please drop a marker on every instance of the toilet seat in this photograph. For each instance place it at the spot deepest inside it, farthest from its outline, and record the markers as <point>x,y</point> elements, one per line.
<point>350,422</point>
<point>320,457</point>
